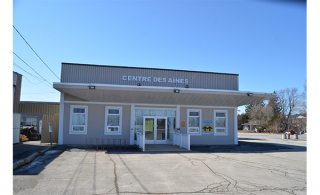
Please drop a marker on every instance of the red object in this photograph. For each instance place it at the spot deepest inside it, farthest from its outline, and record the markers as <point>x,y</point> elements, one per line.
<point>288,133</point>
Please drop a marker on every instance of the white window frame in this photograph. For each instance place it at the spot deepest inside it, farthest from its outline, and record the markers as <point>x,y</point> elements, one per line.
<point>86,120</point>
<point>214,123</point>
<point>200,119</point>
<point>106,121</point>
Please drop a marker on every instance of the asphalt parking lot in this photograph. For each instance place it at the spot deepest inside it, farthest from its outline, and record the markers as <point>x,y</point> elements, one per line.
<point>261,164</point>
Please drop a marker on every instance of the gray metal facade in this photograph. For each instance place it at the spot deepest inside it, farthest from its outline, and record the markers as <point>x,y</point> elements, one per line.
<point>81,73</point>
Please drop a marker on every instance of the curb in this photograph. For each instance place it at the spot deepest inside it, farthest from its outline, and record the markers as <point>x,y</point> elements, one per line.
<point>31,157</point>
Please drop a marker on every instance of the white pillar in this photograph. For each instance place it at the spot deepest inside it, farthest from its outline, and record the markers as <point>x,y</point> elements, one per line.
<point>60,138</point>
<point>178,117</point>
<point>132,116</point>
<point>236,126</point>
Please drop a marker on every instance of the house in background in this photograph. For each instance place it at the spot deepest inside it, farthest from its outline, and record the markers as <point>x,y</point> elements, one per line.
<point>298,122</point>
<point>17,80</point>
<point>249,125</point>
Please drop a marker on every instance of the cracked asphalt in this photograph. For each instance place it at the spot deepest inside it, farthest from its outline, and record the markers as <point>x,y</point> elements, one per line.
<point>261,164</point>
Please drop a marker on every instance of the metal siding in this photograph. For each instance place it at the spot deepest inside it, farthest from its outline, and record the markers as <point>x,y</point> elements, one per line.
<point>39,108</point>
<point>45,135</point>
<point>73,73</point>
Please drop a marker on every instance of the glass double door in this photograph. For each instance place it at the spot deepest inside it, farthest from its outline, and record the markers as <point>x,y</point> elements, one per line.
<point>155,130</point>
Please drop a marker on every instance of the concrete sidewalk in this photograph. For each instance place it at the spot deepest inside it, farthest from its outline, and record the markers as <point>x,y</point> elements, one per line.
<point>25,149</point>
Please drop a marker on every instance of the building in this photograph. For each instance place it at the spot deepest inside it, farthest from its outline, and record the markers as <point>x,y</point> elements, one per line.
<point>298,122</point>
<point>17,80</point>
<point>251,125</point>
<point>150,104</point>
<point>39,115</point>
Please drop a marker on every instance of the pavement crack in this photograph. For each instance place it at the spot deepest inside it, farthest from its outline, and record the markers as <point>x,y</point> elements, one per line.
<point>76,171</point>
<point>231,181</point>
<point>115,175</point>
<point>110,190</point>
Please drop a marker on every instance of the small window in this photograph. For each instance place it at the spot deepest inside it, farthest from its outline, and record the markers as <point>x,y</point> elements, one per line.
<point>78,119</point>
<point>220,122</point>
<point>113,121</point>
<point>194,122</point>
<point>31,121</point>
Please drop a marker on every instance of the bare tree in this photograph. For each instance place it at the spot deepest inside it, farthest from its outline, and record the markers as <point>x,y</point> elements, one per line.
<point>289,101</point>
<point>275,125</point>
<point>261,114</point>
<point>303,105</point>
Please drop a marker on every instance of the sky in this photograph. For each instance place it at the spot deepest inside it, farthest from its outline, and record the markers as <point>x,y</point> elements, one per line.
<point>262,41</point>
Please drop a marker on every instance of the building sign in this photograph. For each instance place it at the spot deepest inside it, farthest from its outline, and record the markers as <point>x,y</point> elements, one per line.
<point>40,126</point>
<point>207,127</point>
<point>155,79</point>
<point>50,127</point>
<point>183,124</point>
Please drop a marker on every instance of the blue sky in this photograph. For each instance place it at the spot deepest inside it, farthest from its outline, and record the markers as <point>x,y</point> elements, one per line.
<point>262,41</point>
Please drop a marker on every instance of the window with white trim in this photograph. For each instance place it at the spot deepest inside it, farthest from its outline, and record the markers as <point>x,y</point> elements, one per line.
<point>113,121</point>
<point>78,119</point>
<point>194,119</point>
<point>220,122</point>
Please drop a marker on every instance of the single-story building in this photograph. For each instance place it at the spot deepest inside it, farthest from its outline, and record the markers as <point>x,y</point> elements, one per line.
<point>39,115</point>
<point>149,104</point>
<point>249,126</point>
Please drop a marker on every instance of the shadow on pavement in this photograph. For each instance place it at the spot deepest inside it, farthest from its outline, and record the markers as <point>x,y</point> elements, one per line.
<point>23,150</point>
<point>250,147</point>
<point>39,164</point>
<point>250,139</point>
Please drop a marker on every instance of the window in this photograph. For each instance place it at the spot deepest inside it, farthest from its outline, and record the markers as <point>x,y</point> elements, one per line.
<point>220,122</point>
<point>194,119</point>
<point>78,119</point>
<point>31,121</point>
<point>113,121</point>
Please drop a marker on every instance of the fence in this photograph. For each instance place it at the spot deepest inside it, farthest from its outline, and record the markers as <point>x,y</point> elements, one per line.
<point>106,144</point>
<point>182,140</point>
<point>141,141</point>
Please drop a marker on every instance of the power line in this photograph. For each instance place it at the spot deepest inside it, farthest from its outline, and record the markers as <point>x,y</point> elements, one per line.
<point>40,79</point>
<point>35,52</point>
<point>31,82</point>
<point>32,68</point>
<point>26,71</point>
